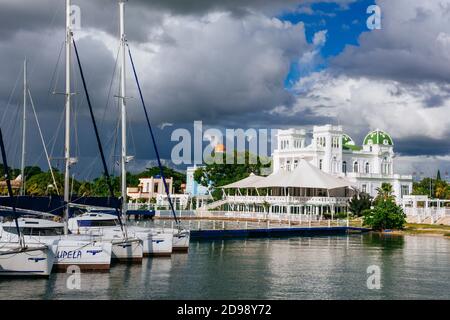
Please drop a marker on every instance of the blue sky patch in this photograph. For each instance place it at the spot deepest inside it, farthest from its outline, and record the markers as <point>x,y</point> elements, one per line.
<point>343,25</point>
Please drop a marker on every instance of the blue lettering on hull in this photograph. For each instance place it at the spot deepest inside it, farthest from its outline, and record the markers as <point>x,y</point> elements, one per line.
<point>94,252</point>
<point>37,259</point>
<point>72,254</point>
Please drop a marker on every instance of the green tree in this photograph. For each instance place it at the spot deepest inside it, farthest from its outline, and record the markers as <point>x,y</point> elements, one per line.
<point>385,193</point>
<point>386,214</point>
<point>31,171</point>
<point>85,189</point>
<point>100,187</point>
<point>438,176</point>
<point>215,175</point>
<point>359,203</point>
<point>441,190</point>
<point>432,187</point>
<point>42,184</point>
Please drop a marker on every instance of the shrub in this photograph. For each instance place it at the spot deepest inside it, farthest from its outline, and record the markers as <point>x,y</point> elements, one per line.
<point>385,215</point>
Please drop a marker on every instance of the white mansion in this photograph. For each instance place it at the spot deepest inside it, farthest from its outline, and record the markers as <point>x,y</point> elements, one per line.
<point>334,152</point>
<point>317,178</point>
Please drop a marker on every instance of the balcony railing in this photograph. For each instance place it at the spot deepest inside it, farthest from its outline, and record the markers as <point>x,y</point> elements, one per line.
<point>289,200</point>
<point>374,175</point>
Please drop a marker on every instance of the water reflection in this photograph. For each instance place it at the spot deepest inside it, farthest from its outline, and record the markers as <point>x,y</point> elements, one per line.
<point>296,268</point>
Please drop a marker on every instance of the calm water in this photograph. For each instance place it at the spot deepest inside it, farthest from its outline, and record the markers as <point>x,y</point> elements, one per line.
<point>297,268</point>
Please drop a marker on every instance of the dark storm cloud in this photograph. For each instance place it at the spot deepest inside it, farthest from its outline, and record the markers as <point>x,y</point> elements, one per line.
<point>238,7</point>
<point>417,146</point>
<point>224,67</point>
<point>46,15</point>
<point>42,55</point>
<point>412,45</point>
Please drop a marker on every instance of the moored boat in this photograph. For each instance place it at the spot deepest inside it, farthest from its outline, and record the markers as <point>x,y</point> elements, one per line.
<point>86,253</point>
<point>25,261</point>
<point>108,226</point>
<point>16,258</point>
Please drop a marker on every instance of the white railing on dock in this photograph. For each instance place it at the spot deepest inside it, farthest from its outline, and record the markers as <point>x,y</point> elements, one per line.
<point>288,200</point>
<point>203,224</point>
<point>433,214</point>
<point>275,219</point>
<point>179,213</point>
<point>287,219</point>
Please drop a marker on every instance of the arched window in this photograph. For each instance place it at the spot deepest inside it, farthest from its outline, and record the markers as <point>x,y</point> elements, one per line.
<point>385,166</point>
<point>344,167</point>
<point>334,165</point>
<point>355,166</point>
<point>367,168</point>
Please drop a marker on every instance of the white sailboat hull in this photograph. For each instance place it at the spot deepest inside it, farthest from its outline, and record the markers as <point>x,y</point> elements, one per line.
<point>87,256</point>
<point>157,244</point>
<point>181,240</point>
<point>127,250</point>
<point>69,250</point>
<point>37,261</point>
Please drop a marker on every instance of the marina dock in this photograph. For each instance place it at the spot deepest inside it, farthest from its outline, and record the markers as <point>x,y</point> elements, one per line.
<point>273,232</point>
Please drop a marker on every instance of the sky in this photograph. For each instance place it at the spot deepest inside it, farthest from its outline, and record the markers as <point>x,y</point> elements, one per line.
<point>232,64</point>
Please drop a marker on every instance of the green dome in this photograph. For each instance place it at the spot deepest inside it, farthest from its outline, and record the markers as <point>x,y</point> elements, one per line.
<point>347,140</point>
<point>378,137</point>
<point>349,144</point>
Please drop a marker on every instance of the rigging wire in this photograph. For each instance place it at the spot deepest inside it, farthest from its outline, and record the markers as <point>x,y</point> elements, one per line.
<point>14,146</point>
<point>133,144</point>
<point>153,140</point>
<point>49,27</point>
<point>10,98</point>
<point>90,167</point>
<point>55,74</point>
<point>43,142</point>
<point>110,89</point>
<point>53,140</point>
<point>97,136</point>
<point>8,184</point>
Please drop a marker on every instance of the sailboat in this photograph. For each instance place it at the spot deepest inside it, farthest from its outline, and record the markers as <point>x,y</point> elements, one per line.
<point>16,257</point>
<point>180,236</point>
<point>110,225</point>
<point>125,247</point>
<point>83,251</point>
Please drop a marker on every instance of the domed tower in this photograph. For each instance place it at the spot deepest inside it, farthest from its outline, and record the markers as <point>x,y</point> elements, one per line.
<point>328,143</point>
<point>381,145</point>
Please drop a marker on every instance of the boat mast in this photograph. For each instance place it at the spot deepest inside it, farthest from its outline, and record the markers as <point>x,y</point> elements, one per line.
<point>24,128</point>
<point>122,98</point>
<point>10,192</point>
<point>67,111</point>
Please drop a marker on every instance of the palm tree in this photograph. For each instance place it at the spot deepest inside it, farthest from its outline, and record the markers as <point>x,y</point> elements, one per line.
<point>441,189</point>
<point>385,192</point>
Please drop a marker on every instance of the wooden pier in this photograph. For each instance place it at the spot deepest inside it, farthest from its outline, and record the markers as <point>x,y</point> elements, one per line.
<point>273,232</point>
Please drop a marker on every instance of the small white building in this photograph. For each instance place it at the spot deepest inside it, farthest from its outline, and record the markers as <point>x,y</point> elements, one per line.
<point>193,188</point>
<point>149,188</point>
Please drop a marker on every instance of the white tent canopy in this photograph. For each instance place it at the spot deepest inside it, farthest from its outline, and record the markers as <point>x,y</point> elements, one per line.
<point>248,182</point>
<point>304,176</point>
